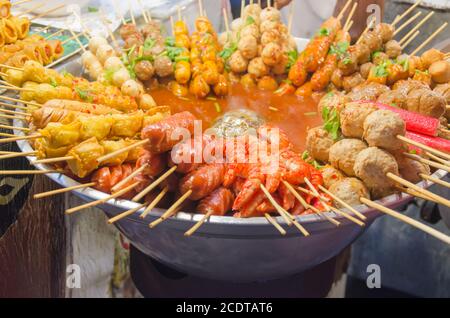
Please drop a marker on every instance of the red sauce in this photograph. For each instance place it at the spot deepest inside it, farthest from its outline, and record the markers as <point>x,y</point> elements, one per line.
<point>290,113</point>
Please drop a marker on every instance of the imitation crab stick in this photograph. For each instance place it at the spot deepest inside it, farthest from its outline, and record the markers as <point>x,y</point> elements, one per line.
<point>433,142</point>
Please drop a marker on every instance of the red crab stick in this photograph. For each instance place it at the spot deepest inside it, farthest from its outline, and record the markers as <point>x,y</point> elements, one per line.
<point>433,142</point>
<point>415,122</point>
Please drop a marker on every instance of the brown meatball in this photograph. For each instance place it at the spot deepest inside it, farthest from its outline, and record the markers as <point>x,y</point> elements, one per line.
<point>248,46</point>
<point>369,91</point>
<point>163,66</point>
<point>332,100</point>
<point>379,58</point>
<point>267,83</point>
<point>411,170</point>
<point>393,49</point>
<point>363,54</point>
<point>238,63</point>
<point>371,40</point>
<point>352,118</point>
<point>431,56</point>
<point>349,190</point>
<point>336,78</point>
<point>144,70</point>
<point>271,54</point>
<point>440,72</point>
<point>257,67</point>
<point>426,102</point>
<point>385,31</point>
<point>318,143</point>
<point>406,86</point>
<point>248,81</point>
<point>331,175</point>
<point>381,129</point>
<point>365,69</point>
<point>352,81</point>
<point>343,154</point>
<point>444,91</point>
<point>393,98</point>
<point>371,166</point>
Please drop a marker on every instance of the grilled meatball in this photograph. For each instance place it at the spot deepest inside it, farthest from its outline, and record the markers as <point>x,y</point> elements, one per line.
<point>343,154</point>
<point>318,143</point>
<point>248,46</point>
<point>426,102</point>
<point>267,83</point>
<point>393,98</point>
<point>270,36</point>
<point>238,63</point>
<point>352,81</point>
<point>248,81</point>
<point>333,100</point>
<point>352,118</point>
<point>252,9</point>
<point>267,25</point>
<point>336,78</point>
<point>406,86</point>
<point>144,70</point>
<point>349,64</point>
<point>393,49</point>
<point>163,66</point>
<point>371,40</point>
<point>444,91</point>
<point>379,58</point>
<point>331,175</point>
<point>440,72</point>
<point>369,91</point>
<point>365,69</point>
<point>411,170</point>
<point>349,190</point>
<point>431,56</point>
<point>371,166</point>
<point>363,54</point>
<point>381,129</point>
<point>257,67</point>
<point>271,54</point>
<point>270,14</point>
<point>250,30</point>
<point>385,31</point>
<point>128,30</point>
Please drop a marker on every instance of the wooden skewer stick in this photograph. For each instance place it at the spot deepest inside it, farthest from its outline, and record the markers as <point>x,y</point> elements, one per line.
<point>408,184</point>
<point>108,29</point>
<point>17,154</point>
<point>349,26</point>
<point>343,203</point>
<point>408,22</point>
<point>120,151</point>
<point>416,194</point>
<point>197,225</point>
<point>6,135</point>
<point>11,67</point>
<point>43,14</point>
<point>71,38</point>
<point>172,25</point>
<point>225,18</point>
<point>275,204</point>
<point>368,27</point>
<point>415,28</point>
<point>408,220</point>
<point>16,100</point>
<point>143,11</point>
<point>13,111</point>
<point>55,34</point>
<point>155,183</point>
<point>313,194</point>
<point>427,162</point>
<point>8,84</point>
<point>12,139</point>
<point>410,39</point>
<point>25,172</point>
<point>19,2</point>
<point>172,210</point>
<point>12,117</point>
<point>436,158</point>
<point>272,221</point>
<point>291,16</point>
<point>16,128</point>
<point>129,178</point>
<point>344,9</point>
<point>424,147</point>
<point>296,223</point>
<point>133,20</point>
<point>410,9</point>
<point>180,18</point>
<point>200,7</point>
<point>435,180</point>
<point>100,201</point>
<point>63,190</point>
<point>154,203</point>
<point>313,189</point>
<point>117,12</point>
<point>31,10</point>
<point>78,40</point>
<point>20,89</point>
<point>430,38</point>
<point>350,16</point>
<point>125,214</point>
<point>52,160</point>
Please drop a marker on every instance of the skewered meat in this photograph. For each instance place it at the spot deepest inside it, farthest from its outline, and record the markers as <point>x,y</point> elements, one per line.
<point>267,83</point>
<point>396,72</point>
<point>349,64</point>
<point>163,66</point>
<point>251,30</point>
<point>304,91</point>
<point>336,78</point>
<point>411,169</point>
<point>424,77</point>
<point>393,49</point>
<point>322,77</point>
<point>349,190</point>
<point>407,86</point>
<point>270,36</point>
<point>298,74</point>
<point>222,86</point>
<point>352,118</point>
<point>333,100</point>
<point>128,30</point>
<point>393,98</point>
<point>369,91</point>
<point>343,154</point>
<point>331,175</point>
<point>362,53</point>
<point>349,82</point>
<point>248,46</point>
<point>281,67</point>
<point>113,63</point>
<point>199,87</point>
<point>444,91</point>
<point>426,102</point>
<point>379,58</point>
<point>385,31</point>
<point>371,40</point>
<point>248,81</point>
<point>270,14</point>
<point>429,57</point>
<point>203,181</point>
<point>257,67</point>
<point>219,202</point>
<point>88,108</point>
<point>120,77</point>
<point>238,63</point>
<point>271,54</point>
<point>131,88</point>
<point>318,143</point>
<point>267,25</point>
<point>440,72</point>
<point>365,69</point>
<point>371,166</point>
<point>164,135</point>
<point>85,156</point>
<point>381,129</point>
<point>144,70</point>
<point>95,42</point>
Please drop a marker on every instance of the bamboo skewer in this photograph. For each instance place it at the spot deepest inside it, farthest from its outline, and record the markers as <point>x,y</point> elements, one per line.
<point>408,22</point>
<point>416,27</point>
<point>71,38</point>
<point>313,194</point>
<point>291,16</point>
<point>438,159</point>
<point>344,9</point>
<point>349,18</point>
<point>19,2</point>
<point>172,210</point>
<point>11,67</point>
<point>435,180</point>
<point>200,8</point>
<point>31,10</point>
<point>155,183</point>
<point>26,172</point>
<point>408,220</point>
<point>272,221</point>
<point>133,20</point>
<point>368,27</point>
<point>296,223</point>
<point>16,128</point>
<point>117,12</point>
<point>430,38</point>
<point>78,41</point>
<point>6,140</point>
<point>313,189</point>
<point>404,45</point>
<point>43,14</point>
<point>427,162</point>
<point>410,9</point>
<point>17,154</point>
<point>108,29</point>
<point>197,225</point>
<point>100,201</point>
<point>427,193</point>
<point>154,203</point>
<point>20,89</point>
<point>125,214</point>
<point>13,117</point>
<point>6,134</point>
<point>343,203</point>
<point>143,11</point>
<point>13,112</point>
<point>424,147</point>
<point>63,190</point>
<point>55,34</point>
<point>120,151</point>
<point>275,204</point>
<point>52,160</point>
<point>129,178</point>
<point>10,99</point>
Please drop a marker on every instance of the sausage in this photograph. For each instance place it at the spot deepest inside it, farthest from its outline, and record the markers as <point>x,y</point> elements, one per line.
<point>322,77</point>
<point>298,74</point>
<point>203,181</point>
<point>219,202</point>
<point>163,135</point>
